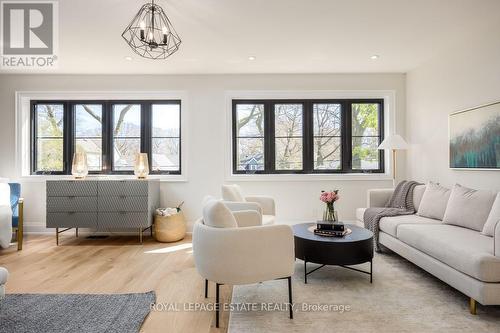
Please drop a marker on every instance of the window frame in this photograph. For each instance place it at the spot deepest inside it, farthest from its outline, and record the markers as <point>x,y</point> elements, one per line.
<point>308,135</point>
<point>107,134</point>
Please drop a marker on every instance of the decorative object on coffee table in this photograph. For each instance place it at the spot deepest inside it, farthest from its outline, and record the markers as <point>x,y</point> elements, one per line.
<point>352,249</point>
<point>169,225</point>
<point>329,199</point>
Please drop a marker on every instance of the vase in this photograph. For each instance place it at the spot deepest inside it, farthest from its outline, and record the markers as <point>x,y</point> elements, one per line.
<point>330,213</point>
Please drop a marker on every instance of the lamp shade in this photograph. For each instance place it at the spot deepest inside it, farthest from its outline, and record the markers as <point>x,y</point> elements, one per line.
<point>79,167</point>
<point>141,168</point>
<point>395,142</point>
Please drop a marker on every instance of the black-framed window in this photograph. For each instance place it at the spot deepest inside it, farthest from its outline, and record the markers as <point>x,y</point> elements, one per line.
<point>110,132</point>
<point>308,136</point>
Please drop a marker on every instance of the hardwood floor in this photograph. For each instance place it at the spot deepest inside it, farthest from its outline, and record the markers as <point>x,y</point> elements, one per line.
<point>117,264</point>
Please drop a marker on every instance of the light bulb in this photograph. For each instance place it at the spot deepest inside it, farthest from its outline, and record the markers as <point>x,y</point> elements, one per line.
<point>164,30</point>
<point>142,25</point>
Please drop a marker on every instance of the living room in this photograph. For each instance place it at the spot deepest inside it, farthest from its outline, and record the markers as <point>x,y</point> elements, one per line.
<point>170,165</point>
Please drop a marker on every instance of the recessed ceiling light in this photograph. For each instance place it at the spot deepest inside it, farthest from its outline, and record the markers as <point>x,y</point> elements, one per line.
<point>128,58</point>
<point>252,58</point>
<point>374,57</point>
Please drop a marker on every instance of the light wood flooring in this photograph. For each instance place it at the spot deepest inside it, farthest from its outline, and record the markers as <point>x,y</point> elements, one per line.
<point>117,264</point>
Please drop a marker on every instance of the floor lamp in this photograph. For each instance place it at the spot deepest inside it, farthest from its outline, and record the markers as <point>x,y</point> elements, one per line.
<point>393,142</point>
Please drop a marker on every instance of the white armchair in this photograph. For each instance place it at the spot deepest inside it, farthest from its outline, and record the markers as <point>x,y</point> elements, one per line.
<point>4,274</point>
<point>234,248</point>
<point>234,199</point>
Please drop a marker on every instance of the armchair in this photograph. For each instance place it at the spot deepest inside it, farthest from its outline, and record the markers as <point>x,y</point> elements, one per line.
<point>235,200</point>
<point>234,248</point>
<point>17,206</point>
<point>4,274</point>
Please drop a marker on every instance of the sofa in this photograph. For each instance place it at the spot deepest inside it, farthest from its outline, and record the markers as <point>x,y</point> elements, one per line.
<point>464,256</point>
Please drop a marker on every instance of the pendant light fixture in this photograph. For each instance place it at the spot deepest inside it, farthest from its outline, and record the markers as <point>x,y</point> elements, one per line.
<point>150,34</point>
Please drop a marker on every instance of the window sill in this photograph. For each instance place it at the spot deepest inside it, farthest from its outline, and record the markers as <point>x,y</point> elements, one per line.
<point>309,177</point>
<point>43,178</point>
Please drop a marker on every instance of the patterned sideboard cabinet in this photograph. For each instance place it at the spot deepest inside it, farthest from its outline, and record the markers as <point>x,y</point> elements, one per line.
<point>101,204</point>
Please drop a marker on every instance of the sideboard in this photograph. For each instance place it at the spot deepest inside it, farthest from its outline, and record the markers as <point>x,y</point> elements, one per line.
<point>101,204</point>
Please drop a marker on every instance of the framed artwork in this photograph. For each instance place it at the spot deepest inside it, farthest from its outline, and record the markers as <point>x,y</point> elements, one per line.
<point>475,138</point>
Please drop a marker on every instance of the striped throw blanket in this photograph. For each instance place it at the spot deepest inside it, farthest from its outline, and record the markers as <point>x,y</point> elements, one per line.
<point>401,203</point>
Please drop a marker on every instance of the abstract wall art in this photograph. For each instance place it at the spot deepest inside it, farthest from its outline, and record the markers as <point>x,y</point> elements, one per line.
<point>475,138</point>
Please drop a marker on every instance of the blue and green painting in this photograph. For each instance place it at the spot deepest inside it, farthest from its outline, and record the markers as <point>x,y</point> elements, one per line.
<point>475,138</point>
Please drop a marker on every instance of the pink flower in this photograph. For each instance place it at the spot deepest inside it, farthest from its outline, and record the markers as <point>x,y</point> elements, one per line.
<point>329,197</point>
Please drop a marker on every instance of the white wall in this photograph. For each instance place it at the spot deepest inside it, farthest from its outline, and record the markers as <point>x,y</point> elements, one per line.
<point>465,76</point>
<point>207,136</point>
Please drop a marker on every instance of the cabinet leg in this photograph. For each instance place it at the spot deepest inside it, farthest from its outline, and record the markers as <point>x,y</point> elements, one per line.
<point>140,235</point>
<point>76,232</point>
<point>57,236</point>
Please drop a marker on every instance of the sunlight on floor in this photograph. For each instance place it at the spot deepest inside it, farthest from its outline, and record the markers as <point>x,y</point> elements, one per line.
<point>170,249</point>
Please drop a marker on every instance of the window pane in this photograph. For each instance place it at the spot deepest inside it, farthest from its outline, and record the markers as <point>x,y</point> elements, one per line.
<point>50,120</point>
<point>127,135</point>
<point>288,120</point>
<point>165,153</point>
<point>365,140</point>
<point>125,151</point>
<point>288,153</point>
<point>93,149</point>
<point>250,120</point>
<point>327,119</point>
<point>250,154</point>
<point>365,153</point>
<point>365,119</point>
<point>288,133</point>
<point>327,153</point>
<point>166,120</point>
<point>88,133</point>
<point>126,120</point>
<point>49,155</point>
<point>49,137</point>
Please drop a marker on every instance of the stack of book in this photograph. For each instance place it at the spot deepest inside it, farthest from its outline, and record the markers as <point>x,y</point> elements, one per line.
<point>330,229</point>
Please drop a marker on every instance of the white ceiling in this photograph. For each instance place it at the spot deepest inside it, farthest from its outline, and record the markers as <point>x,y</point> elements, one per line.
<point>286,36</point>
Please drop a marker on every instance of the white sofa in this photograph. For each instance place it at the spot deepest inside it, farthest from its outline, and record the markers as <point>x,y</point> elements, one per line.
<point>4,274</point>
<point>233,247</point>
<point>463,258</point>
<point>235,200</point>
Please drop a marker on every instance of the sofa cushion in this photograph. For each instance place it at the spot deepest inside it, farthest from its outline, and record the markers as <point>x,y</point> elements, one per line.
<point>463,249</point>
<point>418,193</point>
<point>232,193</point>
<point>493,218</point>
<point>216,214</point>
<point>468,208</point>
<point>390,225</point>
<point>4,274</point>
<point>434,201</point>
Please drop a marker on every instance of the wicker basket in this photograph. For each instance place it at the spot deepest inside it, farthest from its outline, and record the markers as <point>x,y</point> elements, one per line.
<point>170,228</point>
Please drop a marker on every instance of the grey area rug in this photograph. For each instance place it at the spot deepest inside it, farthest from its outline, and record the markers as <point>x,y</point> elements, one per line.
<point>74,312</point>
<point>402,298</point>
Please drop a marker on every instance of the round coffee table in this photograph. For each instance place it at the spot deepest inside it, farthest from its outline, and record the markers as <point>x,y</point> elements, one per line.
<point>352,249</point>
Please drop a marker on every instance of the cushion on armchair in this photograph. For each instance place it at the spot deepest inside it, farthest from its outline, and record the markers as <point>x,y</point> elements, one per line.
<point>232,193</point>
<point>216,214</point>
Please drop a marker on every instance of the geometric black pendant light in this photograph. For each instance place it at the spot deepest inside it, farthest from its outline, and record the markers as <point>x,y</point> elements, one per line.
<point>150,34</point>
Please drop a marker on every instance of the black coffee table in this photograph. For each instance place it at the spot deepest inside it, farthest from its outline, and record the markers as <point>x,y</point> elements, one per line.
<point>352,249</point>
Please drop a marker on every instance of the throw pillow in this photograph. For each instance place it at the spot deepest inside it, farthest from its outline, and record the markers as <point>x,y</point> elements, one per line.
<point>434,201</point>
<point>216,214</point>
<point>232,193</point>
<point>493,218</point>
<point>468,208</point>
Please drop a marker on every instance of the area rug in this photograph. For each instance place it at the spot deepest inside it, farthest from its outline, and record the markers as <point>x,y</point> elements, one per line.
<point>402,298</point>
<point>85,313</point>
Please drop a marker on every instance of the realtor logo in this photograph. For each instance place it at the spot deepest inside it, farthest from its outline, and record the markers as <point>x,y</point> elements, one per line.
<point>29,34</point>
